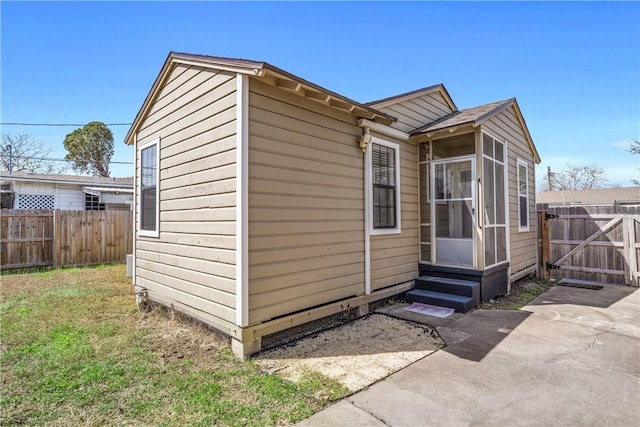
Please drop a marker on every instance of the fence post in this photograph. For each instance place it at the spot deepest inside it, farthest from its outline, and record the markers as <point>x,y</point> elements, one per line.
<point>54,239</point>
<point>543,271</point>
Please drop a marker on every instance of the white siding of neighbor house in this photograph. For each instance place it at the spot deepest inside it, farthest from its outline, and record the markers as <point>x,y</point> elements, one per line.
<point>70,198</point>
<point>66,197</point>
<point>191,265</point>
<point>394,257</point>
<point>306,204</point>
<point>506,127</point>
<point>419,111</point>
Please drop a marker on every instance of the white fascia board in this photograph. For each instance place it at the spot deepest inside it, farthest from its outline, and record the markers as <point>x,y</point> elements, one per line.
<point>384,130</point>
<point>242,200</point>
<point>221,66</point>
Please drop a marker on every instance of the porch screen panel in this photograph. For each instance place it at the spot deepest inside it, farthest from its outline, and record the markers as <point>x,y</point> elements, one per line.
<point>495,236</point>
<point>425,207</point>
<point>499,193</point>
<point>489,193</point>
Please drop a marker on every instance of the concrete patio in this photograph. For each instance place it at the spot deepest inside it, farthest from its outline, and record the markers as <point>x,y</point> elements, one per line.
<point>571,357</point>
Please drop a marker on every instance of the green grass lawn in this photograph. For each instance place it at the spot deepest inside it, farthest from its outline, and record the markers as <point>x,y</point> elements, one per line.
<point>74,350</point>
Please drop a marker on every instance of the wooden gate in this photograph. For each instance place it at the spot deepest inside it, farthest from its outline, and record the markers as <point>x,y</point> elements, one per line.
<point>590,243</point>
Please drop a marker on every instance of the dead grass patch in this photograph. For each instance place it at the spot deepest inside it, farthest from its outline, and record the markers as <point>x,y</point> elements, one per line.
<point>355,354</point>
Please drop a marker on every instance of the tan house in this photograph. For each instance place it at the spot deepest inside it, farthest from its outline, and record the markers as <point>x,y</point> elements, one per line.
<point>264,201</point>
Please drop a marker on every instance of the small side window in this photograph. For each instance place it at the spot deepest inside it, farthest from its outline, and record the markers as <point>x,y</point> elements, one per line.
<point>523,195</point>
<point>149,177</point>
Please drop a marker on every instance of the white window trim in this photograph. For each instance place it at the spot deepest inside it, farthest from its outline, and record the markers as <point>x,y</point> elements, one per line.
<point>369,184</point>
<point>521,162</point>
<point>156,232</point>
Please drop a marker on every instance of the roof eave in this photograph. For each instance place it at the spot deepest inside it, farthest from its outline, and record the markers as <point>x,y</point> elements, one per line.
<point>255,69</point>
<point>430,133</point>
<point>66,182</point>
<point>317,93</point>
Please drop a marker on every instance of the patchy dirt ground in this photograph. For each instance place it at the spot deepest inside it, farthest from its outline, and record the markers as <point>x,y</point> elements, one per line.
<point>356,354</point>
<point>179,337</point>
<point>522,293</point>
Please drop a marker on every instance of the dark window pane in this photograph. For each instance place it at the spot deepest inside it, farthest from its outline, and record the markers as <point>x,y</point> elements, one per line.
<point>524,220</point>
<point>384,181</point>
<point>149,175</point>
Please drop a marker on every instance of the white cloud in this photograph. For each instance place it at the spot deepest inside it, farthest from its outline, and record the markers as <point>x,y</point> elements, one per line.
<point>621,144</point>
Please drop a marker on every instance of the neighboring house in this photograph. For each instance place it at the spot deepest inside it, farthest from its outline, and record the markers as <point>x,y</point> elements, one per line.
<point>624,196</point>
<point>264,201</point>
<point>21,190</point>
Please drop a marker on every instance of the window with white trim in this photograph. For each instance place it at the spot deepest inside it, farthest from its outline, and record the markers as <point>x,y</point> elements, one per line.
<point>92,203</point>
<point>523,195</point>
<point>149,185</point>
<point>385,186</point>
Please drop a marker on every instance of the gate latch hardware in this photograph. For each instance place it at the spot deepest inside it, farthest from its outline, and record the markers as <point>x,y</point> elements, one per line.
<point>548,216</point>
<point>552,266</point>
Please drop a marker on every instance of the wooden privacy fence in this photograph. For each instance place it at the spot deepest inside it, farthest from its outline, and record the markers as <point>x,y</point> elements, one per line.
<point>599,243</point>
<point>32,238</point>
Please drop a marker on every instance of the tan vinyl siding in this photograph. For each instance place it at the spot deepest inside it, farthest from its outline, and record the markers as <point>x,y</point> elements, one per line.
<point>418,111</point>
<point>192,263</point>
<point>505,127</point>
<point>306,226</point>
<point>394,257</point>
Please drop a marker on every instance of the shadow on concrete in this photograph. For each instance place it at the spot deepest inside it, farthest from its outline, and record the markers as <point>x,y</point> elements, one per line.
<point>476,334</point>
<point>602,298</point>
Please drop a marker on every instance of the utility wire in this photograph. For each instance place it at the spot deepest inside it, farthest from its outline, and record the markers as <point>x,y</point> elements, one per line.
<point>58,124</point>
<point>50,159</point>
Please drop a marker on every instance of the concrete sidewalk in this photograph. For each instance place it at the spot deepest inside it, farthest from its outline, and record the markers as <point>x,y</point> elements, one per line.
<point>571,357</point>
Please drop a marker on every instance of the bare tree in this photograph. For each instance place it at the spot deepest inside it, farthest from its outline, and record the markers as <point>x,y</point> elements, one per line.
<point>634,148</point>
<point>575,177</point>
<point>22,153</point>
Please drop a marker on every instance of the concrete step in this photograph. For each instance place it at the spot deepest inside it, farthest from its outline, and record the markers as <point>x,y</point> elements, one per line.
<point>459,303</point>
<point>446,285</point>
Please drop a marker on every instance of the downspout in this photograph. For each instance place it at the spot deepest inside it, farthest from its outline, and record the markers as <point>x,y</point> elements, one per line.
<point>134,205</point>
<point>364,142</point>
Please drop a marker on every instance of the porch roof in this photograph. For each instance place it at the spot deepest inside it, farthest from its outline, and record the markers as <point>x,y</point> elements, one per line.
<point>475,116</point>
<point>470,115</point>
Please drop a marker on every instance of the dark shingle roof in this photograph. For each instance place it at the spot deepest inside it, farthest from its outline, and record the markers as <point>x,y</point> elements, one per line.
<point>469,115</point>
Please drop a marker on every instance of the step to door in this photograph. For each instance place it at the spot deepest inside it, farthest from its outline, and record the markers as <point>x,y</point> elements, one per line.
<point>459,303</point>
<point>447,285</point>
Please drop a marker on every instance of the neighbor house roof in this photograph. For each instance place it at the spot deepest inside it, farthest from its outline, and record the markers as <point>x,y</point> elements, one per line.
<point>99,190</point>
<point>593,197</point>
<point>69,179</point>
<point>475,116</point>
<point>380,103</point>
<point>281,78</point>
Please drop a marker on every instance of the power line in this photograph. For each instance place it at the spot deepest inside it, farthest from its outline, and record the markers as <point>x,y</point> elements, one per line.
<point>50,159</point>
<point>58,124</point>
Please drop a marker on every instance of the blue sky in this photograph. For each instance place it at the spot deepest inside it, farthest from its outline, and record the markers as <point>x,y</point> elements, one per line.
<point>574,67</point>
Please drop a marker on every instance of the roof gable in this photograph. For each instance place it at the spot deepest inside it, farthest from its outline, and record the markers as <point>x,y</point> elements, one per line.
<point>397,99</point>
<point>475,116</point>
